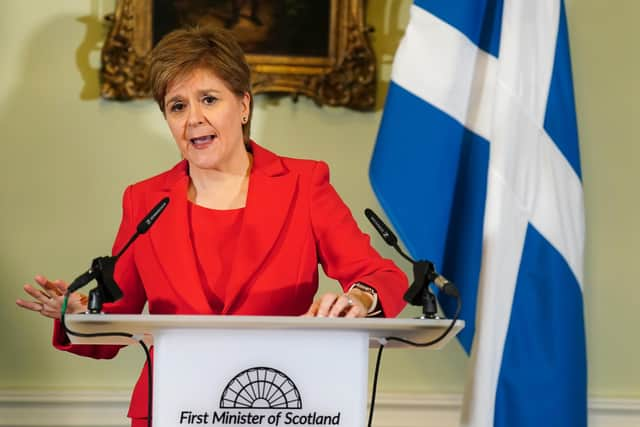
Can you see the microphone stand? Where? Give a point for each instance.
(106, 290)
(424, 273)
(419, 293)
(102, 267)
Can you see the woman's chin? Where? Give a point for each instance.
(204, 164)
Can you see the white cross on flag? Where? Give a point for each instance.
(477, 166)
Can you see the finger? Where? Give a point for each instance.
(57, 287)
(325, 304)
(42, 281)
(45, 294)
(39, 308)
(29, 305)
(48, 287)
(356, 310)
(341, 305)
(84, 300)
(53, 289)
(37, 294)
(60, 286)
(313, 309)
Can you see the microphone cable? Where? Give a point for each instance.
(115, 334)
(383, 342)
(419, 267)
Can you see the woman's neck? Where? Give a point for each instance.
(221, 189)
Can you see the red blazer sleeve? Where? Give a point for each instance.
(127, 278)
(345, 252)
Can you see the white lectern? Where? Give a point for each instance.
(259, 371)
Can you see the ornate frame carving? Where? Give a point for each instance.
(345, 77)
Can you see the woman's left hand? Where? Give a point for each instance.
(48, 299)
(337, 305)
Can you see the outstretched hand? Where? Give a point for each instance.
(48, 297)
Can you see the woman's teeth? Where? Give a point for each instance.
(202, 139)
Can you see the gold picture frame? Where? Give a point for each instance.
(345, 76)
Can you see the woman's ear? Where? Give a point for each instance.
(246, 104)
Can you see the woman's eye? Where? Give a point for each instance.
(177, 106)
(208, 99)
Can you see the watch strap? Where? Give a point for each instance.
(374, 310)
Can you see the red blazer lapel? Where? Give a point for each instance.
(172, 244)
(271, 190)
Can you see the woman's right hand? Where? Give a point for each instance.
(47, 299)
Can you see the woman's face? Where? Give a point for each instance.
(205, 118)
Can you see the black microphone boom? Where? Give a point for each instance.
(81, 281)
(423, 272)
(102, 267)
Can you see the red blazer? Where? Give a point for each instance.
(293, 220)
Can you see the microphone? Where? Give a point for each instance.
(152, 216)
(381, 227)
(102, 267)
(146, 223)
(421, 268)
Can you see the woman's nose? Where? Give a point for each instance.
(195, 115)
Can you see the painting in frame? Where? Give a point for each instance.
(314, 48)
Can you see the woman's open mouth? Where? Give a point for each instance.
(202, 139)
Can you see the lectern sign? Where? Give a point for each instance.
(260, 396)
(260, 378)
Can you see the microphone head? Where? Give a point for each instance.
(382, 228)
(152, 216)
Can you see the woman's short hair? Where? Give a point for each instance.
(183, 51)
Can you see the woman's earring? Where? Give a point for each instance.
(244, 119)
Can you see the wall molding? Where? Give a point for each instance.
(97, 408)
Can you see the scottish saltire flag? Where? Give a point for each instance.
(477, 166)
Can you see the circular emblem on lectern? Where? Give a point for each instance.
(261, 388)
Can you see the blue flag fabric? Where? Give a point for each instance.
(477, 166)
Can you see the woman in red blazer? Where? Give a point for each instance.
(245, 229)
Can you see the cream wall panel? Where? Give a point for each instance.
(102, 409)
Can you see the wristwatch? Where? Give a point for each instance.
(374, 310)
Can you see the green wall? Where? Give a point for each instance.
(67, 156)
